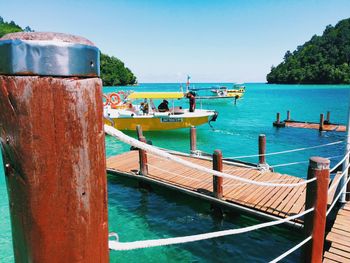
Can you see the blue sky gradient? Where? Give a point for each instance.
(163, 41)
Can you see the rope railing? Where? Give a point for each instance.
(340, 162)
(338, 196)
(290, 251)
(149, 148)
(286, 151)
(335, 184)
(116, 245)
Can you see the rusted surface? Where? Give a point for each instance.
(48, 36)
(57, 187)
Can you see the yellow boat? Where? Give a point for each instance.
(124, 115)
(237, 91)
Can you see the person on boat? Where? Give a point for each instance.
(144, 108)
(192, 99)
(163, 107)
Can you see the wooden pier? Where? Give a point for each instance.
(322, 125)
(339, 237)
(276, 202)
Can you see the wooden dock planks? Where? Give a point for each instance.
(339, 236)
(277, 201)
(315, 126)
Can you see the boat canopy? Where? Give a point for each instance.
(156, 95)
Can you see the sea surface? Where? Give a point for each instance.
(137, 214)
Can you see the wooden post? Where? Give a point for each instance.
(52, 122)
(139, 131)
(143, 158)
(193, 139)
(321, 122)
(288, 115)
(217, 180)
(262, 149)
(316, 196)
(328, 119)
(278, 118)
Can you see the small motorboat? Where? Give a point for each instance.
(126, 114)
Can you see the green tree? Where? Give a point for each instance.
(323, 59)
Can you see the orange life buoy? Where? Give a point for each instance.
(105, 100)
(114, 99)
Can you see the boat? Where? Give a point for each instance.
(222, 91)
(124, 113)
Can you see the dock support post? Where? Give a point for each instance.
(217, 180)
(53, 140)
(316, 196)
(143, 158)
(262, 149)
(278, 122)
(328, 119)
(321, 122)
(193, 140)
(278, 118)
(288, 115)
(139, 131)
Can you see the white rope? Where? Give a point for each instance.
(149, 148)
(340, 162)
(339, 194)
(283, 152)
(288, 164)
(115, 245)
(336, 184)
(288, 252)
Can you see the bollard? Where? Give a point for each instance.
(52, 121)
(321, 122)
(217, 180)
(262, 149)
(288, 115)
(316, 196)
(139, 131)
(193, 140)
(143, 158)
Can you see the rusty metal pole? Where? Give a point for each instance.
(217, 180)
(262, 149)
(52, 135)
(193, 139)
(143, 158)
(321, 122)
(316, 196)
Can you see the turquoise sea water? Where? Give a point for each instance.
(138, 214)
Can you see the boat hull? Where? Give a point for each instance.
(157, 123)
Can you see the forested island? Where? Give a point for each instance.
(113, 70)
(322, 60)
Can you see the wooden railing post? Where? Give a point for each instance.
(143, 158)
(139, 131)
(316, 197)
(51, 120)
(321, 122)
(193, 139)
(217, 180)
(288, 115)
(262, 149)
(278, 118)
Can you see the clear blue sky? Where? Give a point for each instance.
(164, 40)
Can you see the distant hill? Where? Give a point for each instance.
(113, 70)
(322, 60)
